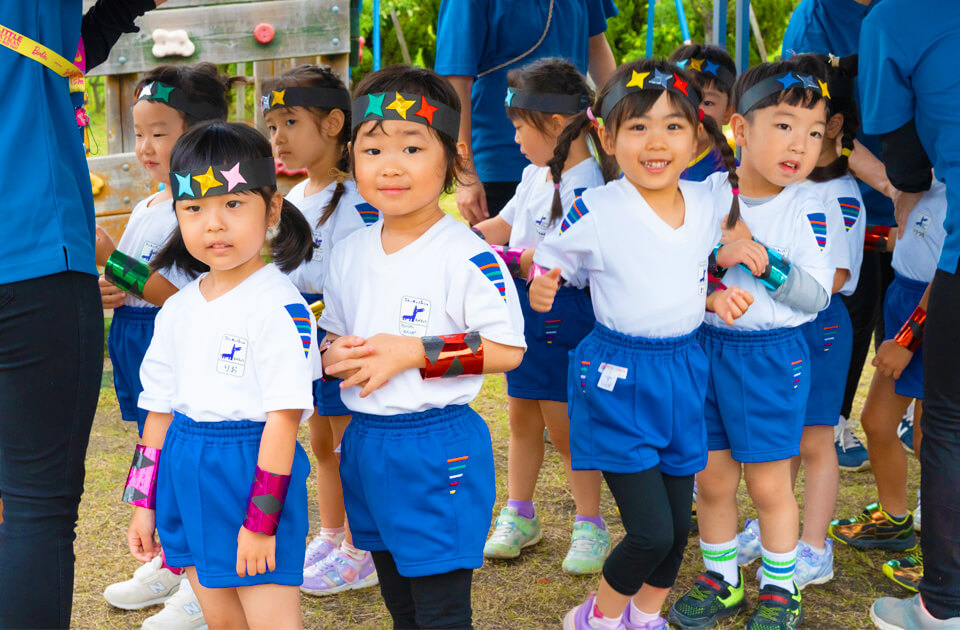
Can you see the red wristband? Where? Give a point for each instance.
(448, 356)
(911, 333)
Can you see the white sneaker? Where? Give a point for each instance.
(150, 585)
(180, 612)
(916, 514)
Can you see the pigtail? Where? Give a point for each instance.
(293, 244)
(342, 169)
(729, 160)
(571, 132)
(174, 254)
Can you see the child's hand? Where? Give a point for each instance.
(256, 553)
(729, 303)
(141, 534)
(543, 289)
(110, 295)
(104, 247)
(737, 233)
(892, 359)
(746, 251)
(389, 355)
(343, 348)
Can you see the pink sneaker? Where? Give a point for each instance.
(318, 549)
(339, 572)
(657, 624)
(579, 618)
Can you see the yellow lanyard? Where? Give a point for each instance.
(50, 58)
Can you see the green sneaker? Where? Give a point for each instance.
(709, 600)
(512, 533)
(589, 547)
(777, 609)
(907, 572)
(873, 529)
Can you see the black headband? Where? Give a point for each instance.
(780, 83)
(220, 180)
(177, 99)
(409, 107)
(302, 96)
(547, 102)
(642, 81)
(711, 68)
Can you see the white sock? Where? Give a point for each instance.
(351, 551)
(722, 558)
(333, 534)
(598, 621)
(778, 569)
(639, 617)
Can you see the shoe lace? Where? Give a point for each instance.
(503, 530)
(864, 517)
(583, 544)
(768, 612)
(698, 593)
(848, 440)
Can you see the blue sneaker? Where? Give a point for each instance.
(748, 543)
(813, 567)
(851, 453)
(905, 429)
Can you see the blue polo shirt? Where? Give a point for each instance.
(48, 218)
(833, 26)
(477, 35)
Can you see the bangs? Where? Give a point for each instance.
(637, 104)
(216, 143)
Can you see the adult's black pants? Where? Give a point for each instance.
(430, 601)
(51, 361)
(498, 194)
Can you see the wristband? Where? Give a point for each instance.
(449, 356)
(267, 494)
(141, 486)
(126, 273)
(478, 233)
(317, 308)
(876, 238)
(538, 270)
(712, 265)
(775, 274)
(911, 333)
(714, 284)
(511, 256)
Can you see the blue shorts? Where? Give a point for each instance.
(130, 333)
(757, 392)
(830, 339)
(421, 486)
(903, 295)
(550, 337)
(326, 394)
(204, 481)
(651, 415)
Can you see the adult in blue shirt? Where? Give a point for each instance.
(909, 91)
(478, 43)
(51, 319)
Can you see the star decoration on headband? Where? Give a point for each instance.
(234, 177)
(207, 181)
(509, 100)
(242, 176)
(680, 84)
(711, 68)
(375, 104)
(146, 92)
(163, 92)
(809, 82)
(637, 79)
(683, 63)
(278, 97)
(401, 105)
(660, 78)
(183, 183)
(409, 107)
(426, 110)
(824, 91)
(787, 80)
(697, 64)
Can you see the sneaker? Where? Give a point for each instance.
(916, 514)
(851, 452)
(579, 618)
(318, 549)
(813, 567)
(657, 624)
(150, 585)
(339, 572)
(180, 612)
(906, 571)
(709, 600)
(589, 547)
(890, 613)
(512, 533)
(873, 530)
(748, 543)
(905, 428)
(777, 609)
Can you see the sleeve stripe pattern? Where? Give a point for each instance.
(301, 319)
(578, 191)
(850, 207)
(818, 221)
(487, 263)
(368, 213)
(577, 212)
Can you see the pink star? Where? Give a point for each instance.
(233, 176)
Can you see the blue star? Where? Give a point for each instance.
(682, 64)
(809, 82)
(787, 80)
(660, 78)
(711, 68)
(509, 100)
(183, 182)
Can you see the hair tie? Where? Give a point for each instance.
(700, 114)
(338, 175)
(556, 186)
(735, 191)
(846, 152)
(590, 115)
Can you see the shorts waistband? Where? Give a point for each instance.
(909, 283)
(310, 298)
(238, 430)
(646, 344)
(136, 313)
(747, 338)
(430, 417)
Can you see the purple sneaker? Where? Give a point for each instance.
(339, 572)
(579, 618)
(657, 624)
(318, 549)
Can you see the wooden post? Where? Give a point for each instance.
(240, 95)
(400, 37)
(260, 70)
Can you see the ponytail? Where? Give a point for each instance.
(293, 244)
(342, 170)
(730, 161)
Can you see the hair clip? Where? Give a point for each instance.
(735, 191)
(221, 180)
(304, 96)
(846, 151)
(436, 115)
(700, 114)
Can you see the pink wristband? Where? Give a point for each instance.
(141, 487)
(267, 494)
(538, 270)
(511, 256)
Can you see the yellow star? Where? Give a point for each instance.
(401, 105)
(823, 89)
(637, 79)
(697, 64)
(278, 97)
(207, 181)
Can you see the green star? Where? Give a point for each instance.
(162, 92)
(375, 104)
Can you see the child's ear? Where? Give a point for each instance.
(834, 126)
(273, 214)
(557, 123)
(606, 139)
(462, 150)
(738, 124)
(333, 124)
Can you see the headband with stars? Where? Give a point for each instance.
(409, 107)
(177, 99)
(548, 103)
(779, 83)
(302, 96)
(656, 80)
(707, 67)
(220, 180)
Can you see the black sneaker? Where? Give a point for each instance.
(777, 609)
(709, 600)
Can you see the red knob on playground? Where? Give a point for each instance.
(263, 33)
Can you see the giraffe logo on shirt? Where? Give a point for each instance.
(317, 246)
(232, 355)
(920, 225)
(414, 316)
(702, 279)
(148, 251)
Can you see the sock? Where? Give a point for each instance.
(524, 508)
(333, 534)
(164, 565)
(778, 569)
(639, 617)
(596, 520)
(722, 558)
(597, 620)
(895, 519)
(352, 552)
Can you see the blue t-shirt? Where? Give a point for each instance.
(477, 35)
(833, 26)
(48, 218)
(910, 74)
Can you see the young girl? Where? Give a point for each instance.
(227, 380)
(547, 102)
(416, 298)
(759, 366)
(643, 241)
(307, 111)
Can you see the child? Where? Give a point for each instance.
(227, 380)
(643, 241)
(547, 102)
(759, 367)
(415, 298)
(714, 72)
(897, 381)
(307, 111)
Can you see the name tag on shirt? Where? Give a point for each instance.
(232, 355)
(609, 375)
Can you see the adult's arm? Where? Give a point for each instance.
(471, 198)
(602, 63)
(106, 21)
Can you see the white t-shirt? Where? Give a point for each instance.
(793, 223)
(352, 213)
(249, 351)
(846, 224)
(147, 231)
(915, 255)
(528, 211)
(646, 278)
(446, 282)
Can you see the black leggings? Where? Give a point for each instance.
(431, 601)
(655, 510)
(498, 194)
(51, 359)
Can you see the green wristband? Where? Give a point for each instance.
(126, 272)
